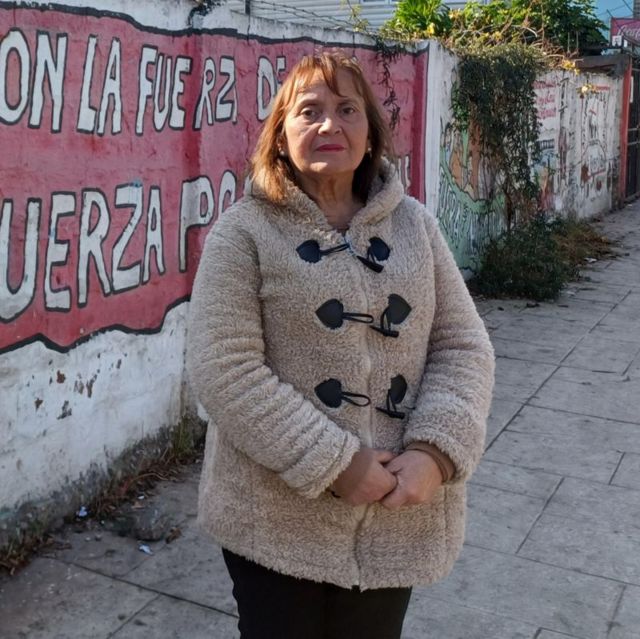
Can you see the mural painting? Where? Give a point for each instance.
(595, 117)
(467, 215)
(121, 145)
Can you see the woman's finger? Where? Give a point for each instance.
(384, 456)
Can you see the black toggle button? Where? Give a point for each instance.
(310, 251)
(395, 395)
(330, 393)
(396, 312)
(332, 314)
(378, 251)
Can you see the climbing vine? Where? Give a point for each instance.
(494, 100)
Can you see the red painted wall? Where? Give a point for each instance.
(119, 147)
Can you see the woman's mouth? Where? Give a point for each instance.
(330, 147)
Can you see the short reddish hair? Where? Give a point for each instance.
(270, 171)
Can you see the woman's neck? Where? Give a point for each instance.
(334, 197)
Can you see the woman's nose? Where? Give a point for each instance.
(329, 123)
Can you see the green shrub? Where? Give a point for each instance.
(524, 262)
(537, 258)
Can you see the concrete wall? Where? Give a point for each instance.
(578, 173)
(456, 177)
(580, 139)
(125, 134)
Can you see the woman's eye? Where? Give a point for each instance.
(308, 114)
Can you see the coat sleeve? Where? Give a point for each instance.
(268, 420)
(454, 398)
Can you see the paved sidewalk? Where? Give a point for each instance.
(553, 540)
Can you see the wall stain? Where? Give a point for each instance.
(60, 377)
(38, 402)
(66, 411)
(90, 383)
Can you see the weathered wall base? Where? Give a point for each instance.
(72, 414)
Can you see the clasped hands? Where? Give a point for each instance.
(410, 478)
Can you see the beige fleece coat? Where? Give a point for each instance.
(257, 350)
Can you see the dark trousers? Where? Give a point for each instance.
(276, 606)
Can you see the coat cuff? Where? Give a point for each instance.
(310, 476)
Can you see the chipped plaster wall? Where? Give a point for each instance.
(580, 141)
(578, 173)
(125, 135)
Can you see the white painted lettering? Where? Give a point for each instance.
(14, 42)
(154, 235)
(183, 65)
(62, 204)
(208, 82)
(227, 109)
(90, 243)
(15, 301)
(128, 277)
(111, 91)
(192, 212)
(54, 71)
(145, 86)
(86, 113)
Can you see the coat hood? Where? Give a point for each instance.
(385, 195)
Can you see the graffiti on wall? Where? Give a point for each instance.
(595, 167)
(468, 215)
(551, 168)
(578, 160)
(121, 145)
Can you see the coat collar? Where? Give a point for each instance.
(385, 195)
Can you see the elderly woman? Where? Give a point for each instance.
(345, 370)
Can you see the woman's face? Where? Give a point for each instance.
(326, 135)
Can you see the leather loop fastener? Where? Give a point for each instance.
(330, 393)
(395, 395)
(332, 314)
(396, 312)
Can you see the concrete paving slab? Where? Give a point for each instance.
(192, 570)
(546, 331)
(545, 354)
(110, 555)
(590, 291)
(602, 354)
(598, 507)
(628, 333)
(428, 618)
(533, 483)
(53, 600)
(549, 634)
(626, 313)
(626, 623)
(502, 412)
(168, 618)
(606, 277)
(517, 380)
(628, 473)
(540, 452)
(500, 520)
(544, 596)
(180, 499)
(503, 308)
(570, 429)
(571, 544)
(575, 310)
(607, 395)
